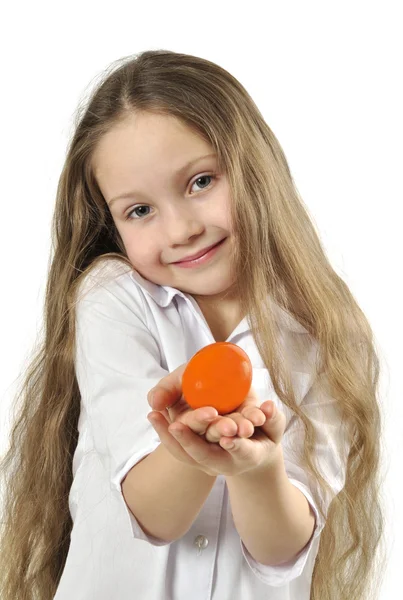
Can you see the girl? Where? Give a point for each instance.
(112, 493)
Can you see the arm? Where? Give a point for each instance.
(272, 516)
(165, 495)
(117, 362)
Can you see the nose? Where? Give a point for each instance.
(181, 225)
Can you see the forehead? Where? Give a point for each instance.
(146, 136)
(144, 150)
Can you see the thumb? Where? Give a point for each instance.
(275, 423)
(251, 399)
(168, 390)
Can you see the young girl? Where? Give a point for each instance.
(114, 494)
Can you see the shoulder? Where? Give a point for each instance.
(101, 273)
(286, 320)
(298, 346)
(108, 282)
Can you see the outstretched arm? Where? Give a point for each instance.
(273, 517)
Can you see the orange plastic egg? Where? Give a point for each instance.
(218, 375)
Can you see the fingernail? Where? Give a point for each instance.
(209, 416)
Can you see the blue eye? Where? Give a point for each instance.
(129, 216)
(137, 208)
(203, 177)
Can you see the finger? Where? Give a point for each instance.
(244, 426)
(166, 415)
(254, 415)
(160, 425)
(251, 399)
(240, 448)
(201, 451)
(168, 390)
(219, 427)
(274, 426)
(199, 420)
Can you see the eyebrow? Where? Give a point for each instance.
(179, 172)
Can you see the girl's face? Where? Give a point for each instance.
(171, 210)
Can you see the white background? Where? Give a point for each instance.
(327, 79)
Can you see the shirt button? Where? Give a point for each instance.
(201, 542)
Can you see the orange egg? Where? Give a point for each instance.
(218, 375)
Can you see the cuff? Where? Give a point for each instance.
(280, 575)
(116, 484)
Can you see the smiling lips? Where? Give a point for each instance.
(199, 254)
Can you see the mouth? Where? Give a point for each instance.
(203, 257)
(199, 254)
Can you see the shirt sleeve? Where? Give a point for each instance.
(117, 362)
(331, 452)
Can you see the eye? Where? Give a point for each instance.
(203, 177)
(129, 216)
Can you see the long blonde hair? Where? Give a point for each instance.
(279, 254)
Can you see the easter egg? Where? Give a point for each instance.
(218, 375)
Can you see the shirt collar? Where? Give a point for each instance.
(164, 294)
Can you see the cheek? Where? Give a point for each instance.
(222, 217)
(221, 209)
(141, 250)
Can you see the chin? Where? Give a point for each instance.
(207, 287)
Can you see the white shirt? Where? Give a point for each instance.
(131, 333)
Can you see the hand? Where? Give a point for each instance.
(262, 450)
(241, 423)
(188, 446)
(205, 421)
